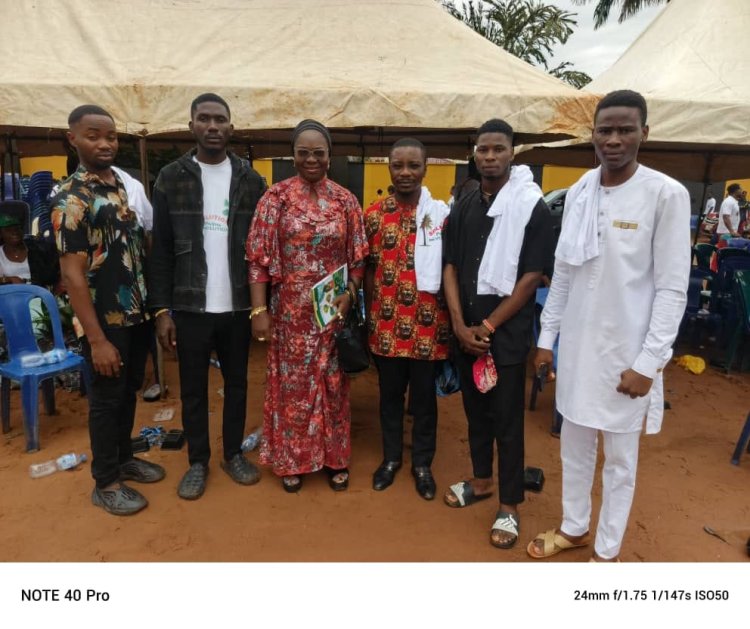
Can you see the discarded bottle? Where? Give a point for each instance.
(252, 440)
(65, 462)
(54, 356)
(32, 360)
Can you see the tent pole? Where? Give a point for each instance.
(14, 185)
(702, 207)
(2, 173)
(143, 154)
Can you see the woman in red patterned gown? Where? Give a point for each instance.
(304, 228)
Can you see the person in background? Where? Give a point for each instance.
(468, 184)
(305, 228)
(407, 316)
(729, 213)
(14, 261)
(203, 204)
(744, 206)
(101, 247)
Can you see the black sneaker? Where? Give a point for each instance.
(193, 483)
(121, 501)
(141, 471)
(241, 471)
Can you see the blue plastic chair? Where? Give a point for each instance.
(15, 313)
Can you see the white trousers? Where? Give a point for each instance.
(578, 450)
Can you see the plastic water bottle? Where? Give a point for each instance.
(32, 360)
(65, 462)
(252, 440)
(54, 356)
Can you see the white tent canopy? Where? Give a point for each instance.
(692, 64)
(369, 68)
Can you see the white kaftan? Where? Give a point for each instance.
(622, 308)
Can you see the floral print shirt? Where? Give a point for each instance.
(92, 218)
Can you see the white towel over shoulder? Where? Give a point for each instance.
(428, 252)
(579, 241)
(511, 211)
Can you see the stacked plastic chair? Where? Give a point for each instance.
(11, 189)
(40, 185)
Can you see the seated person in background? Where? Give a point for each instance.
(14, 259)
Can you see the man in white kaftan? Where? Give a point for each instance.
(617, 297)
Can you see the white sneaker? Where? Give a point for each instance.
(153, 393)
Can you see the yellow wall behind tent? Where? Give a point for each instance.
(264, 167)
(55, 163)
(439, 179)
(376, 178)
(554, 177)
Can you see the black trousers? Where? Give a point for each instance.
(197, 334)
(394, 375)
(112, 402)
(496, 417)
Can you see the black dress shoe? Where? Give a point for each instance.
(384, 475)
(424, 481)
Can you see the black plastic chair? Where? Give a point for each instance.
(741, 329)
(702, 253)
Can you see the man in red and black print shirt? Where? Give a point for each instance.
(407, 317)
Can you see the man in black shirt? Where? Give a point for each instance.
(499, 242)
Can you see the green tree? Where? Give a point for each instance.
(528, 29)
(628, 8)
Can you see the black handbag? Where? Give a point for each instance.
(351, 343)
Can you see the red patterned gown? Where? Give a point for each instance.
(294, 242)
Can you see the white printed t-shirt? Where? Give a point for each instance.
(216, 179)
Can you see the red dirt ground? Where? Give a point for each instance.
(685, 482)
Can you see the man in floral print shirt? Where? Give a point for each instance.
(101, 258)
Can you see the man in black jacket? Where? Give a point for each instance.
(203, 204)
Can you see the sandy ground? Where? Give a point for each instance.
(685, 482)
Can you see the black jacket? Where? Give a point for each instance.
(177, 269)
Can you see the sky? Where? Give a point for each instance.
(593, 51)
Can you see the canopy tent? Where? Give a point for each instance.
(691, 64)
(372, 70)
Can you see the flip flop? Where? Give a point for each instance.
(554, 543)
(505, 522)
(464, 493)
